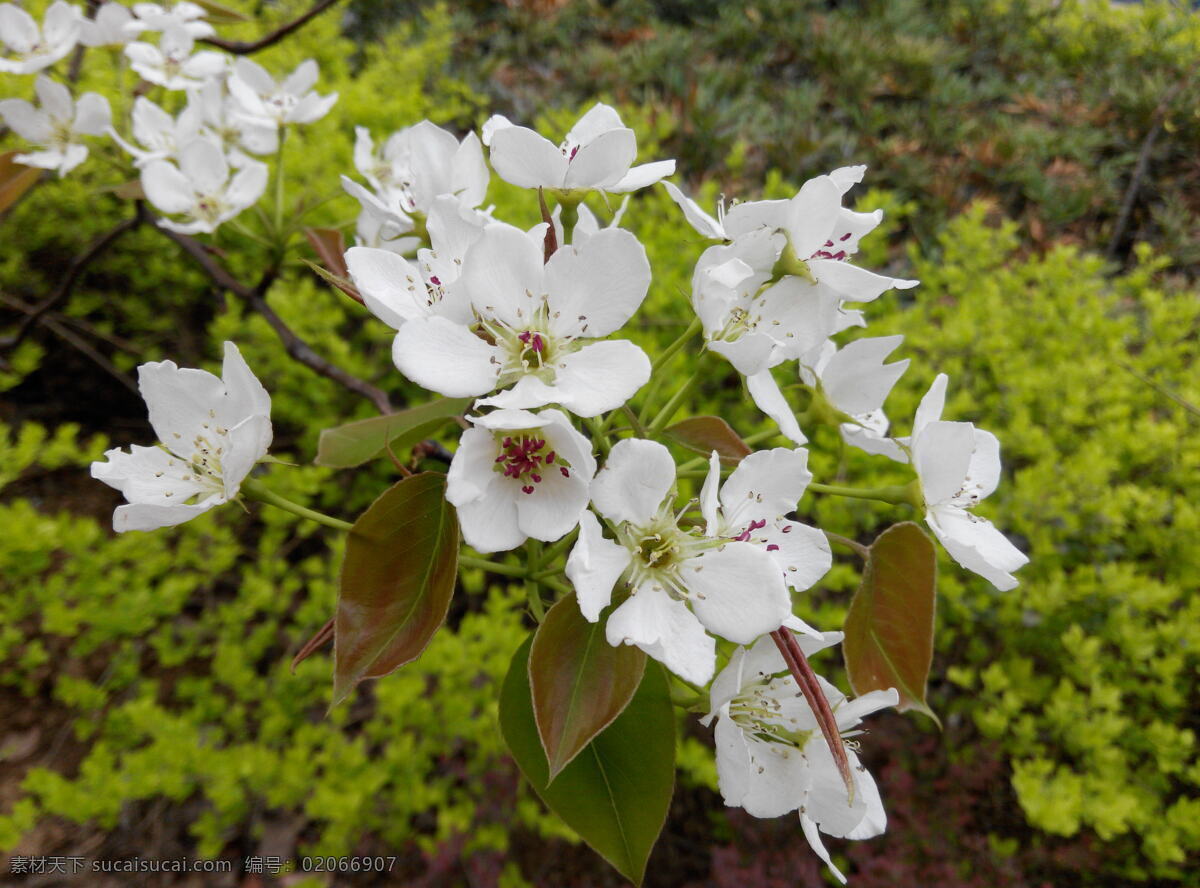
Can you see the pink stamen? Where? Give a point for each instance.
(433, 279)
(772, 548)
(524, 459)
(744, 536)
(846, 236)
(533, 340)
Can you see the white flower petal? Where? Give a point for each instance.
(814, 841)
(602, 161)
(178, 401)
(666, 630)
(143, 516)
(802, 552)
(502, 275)
(942, 456)
(391, 288)
(26, 121)
(977, 545)
(635, 480)
(522, 157)
(737, 592)
(932, 404)
(166, 188)
(765, 485)
(489, 523)
(600, 377)
(595, 287)
(856, 380)
(852, 283)
(445, 357)
(596, 121)
(709, 496)
(812, 214)
(594, 566)
(704, 224)
(766, 394)
(643, 175)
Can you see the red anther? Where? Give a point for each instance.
(772, 548)
(433, 279)
(846, 236)
(550, 457)
(564, 471)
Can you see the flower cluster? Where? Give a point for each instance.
(526, 325)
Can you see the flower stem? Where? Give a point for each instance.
(256, 490)
(279, 190)
(669, 352)
(599, 435)
(672, 406)
(506, 570)
(858, 548)
(897, 495)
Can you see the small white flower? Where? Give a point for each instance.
(420, 163)
(37, 48)
(183, 16)
(396, 290)
(108, 28)
(710, 226)
(598, 152)
(381, 225)
(159, 136)
(517, 475)
(772, 757)
(219, 116)
(201, 188)
(291, 101)
(959, 465)
(535, 324)
(212, 431)
(679, 583)
(56, 127)
(853, 381)
(171, 63)
(751, 506)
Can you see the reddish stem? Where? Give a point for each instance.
(797, 664)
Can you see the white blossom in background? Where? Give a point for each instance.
(158, 135)
(219, 117)
(680, 583)
(212, 432)
(292, 100)
(712, 227)
(183, 16)
(772, 757)
(34, 47)
(381, 225)
(201, 189)
(518, 475)
(536, 325)
(57, 125)
(598, 152)
(958, 465)
(421, 163)
(751, 507)
(108, 28)
(853, 381)
(396, 290)
(171, 64)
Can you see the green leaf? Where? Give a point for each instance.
(580, 682)
(704, 434)
(889, 629)
(15, 179)
(399, 574)
(353, 444)
(616, 792)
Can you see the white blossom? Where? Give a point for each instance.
(535, 325)
(108, 28)
(518, 475)
(679, 583)
(772, 757)
(220, 117)
(56, 126)
(420, 163)
(292, 100)
(958, 465)
(183, 16)
(157, 134)
(212, 432)
(201, 188)
(34, 47)
(171, 64)
(598, 152)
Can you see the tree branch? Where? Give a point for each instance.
(78, 265)
(248, 47)
(256, 298)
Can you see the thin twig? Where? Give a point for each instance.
(78, 265)
(295, 346)
(247, 47)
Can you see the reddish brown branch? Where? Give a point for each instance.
(247, 47)
(295, 346)
(323, 636)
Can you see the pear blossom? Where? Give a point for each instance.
(382, 224)
(264, 100)
(201, 188)
(598, 152)
(849, 384)
(171, 64)
(712, 227)
(958, 465)
(183, 16)
(212, 432)
(36, 47)
(421, 163)
(517, 475)
(108, 28)
(772, 757)
(218, 113)
(158, 135)
(535, 324)
(396, 290)
(56, 127)
(752, 505)
(679, 583)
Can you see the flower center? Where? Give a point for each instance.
(209, 208)
(527, 458)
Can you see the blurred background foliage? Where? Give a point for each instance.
(1038, 163)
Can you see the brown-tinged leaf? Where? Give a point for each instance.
(322, 637)
(344, 284)
(15, 179)
(889, 629)
(355, 443)
(131, 190)
(580, 682)
(704, 434)
(330, 247)
(220, 14)
(550, 242)
(397, 579)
